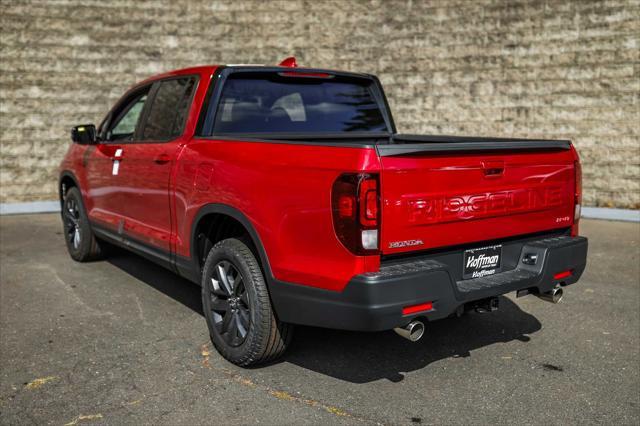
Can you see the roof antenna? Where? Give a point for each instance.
(289, 62)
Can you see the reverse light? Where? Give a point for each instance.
(370, 239)
(355, 205)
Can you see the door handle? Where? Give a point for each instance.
(162, 159)
(117, 155)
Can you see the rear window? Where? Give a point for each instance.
(270, 103)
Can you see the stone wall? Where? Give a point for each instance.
(527, 68)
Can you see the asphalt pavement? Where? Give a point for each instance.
(123, 341)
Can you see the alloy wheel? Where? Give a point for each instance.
(72, 220)
(229, 303)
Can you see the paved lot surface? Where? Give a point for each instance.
(124, 341)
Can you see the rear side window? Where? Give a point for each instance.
(169, 109)
(272, 103)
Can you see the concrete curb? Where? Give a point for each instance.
(587, 212)
(32, 207)
(611, 214)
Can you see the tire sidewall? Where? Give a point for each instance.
(244, 263)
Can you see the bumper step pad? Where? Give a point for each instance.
(516, 276)
(549, 251)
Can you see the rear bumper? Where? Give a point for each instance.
(374, 301)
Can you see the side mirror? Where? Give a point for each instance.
(85, 134)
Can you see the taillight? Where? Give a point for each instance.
(578, 192)
(355, 204)
(368, 199)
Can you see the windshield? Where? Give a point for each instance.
(271, 103)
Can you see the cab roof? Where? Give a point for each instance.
(289, 64)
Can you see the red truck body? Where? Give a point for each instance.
(427, 199)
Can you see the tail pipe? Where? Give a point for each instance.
(553, 296)
(412, 331)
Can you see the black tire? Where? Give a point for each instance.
(235, 300)
(81, 242)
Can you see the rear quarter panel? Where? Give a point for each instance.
(284, 190)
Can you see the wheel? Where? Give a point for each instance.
(81, 243)
(236, 305)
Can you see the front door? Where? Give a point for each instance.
(103, 161)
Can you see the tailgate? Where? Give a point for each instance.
(434, 198)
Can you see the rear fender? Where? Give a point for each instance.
(244, 220)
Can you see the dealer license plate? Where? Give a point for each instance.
(481, 262)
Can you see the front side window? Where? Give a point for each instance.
(275, 103)
(127, 119)
(169, 109)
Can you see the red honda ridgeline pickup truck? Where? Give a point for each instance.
(287, 194)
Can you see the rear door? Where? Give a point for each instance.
(148, 163)
(438, 199)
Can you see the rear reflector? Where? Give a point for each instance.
(417, 308)
(561, 275)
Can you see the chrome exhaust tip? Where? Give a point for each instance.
(412, 331)
(553, 296)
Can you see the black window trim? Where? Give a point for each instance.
(151, 89)
(209, 109)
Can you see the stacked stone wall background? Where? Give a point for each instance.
(526, 68)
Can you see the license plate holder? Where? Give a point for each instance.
(481, 262)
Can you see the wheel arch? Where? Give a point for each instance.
(67, 180)
(221, 210)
